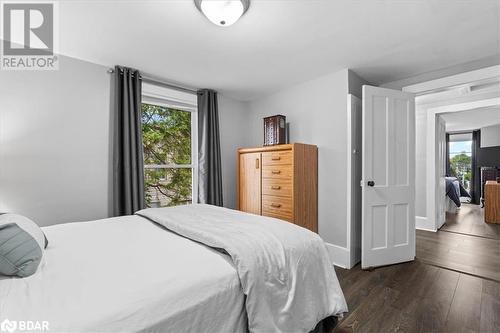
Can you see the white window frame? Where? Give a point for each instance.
(183, 101)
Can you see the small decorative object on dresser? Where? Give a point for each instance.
(274, 130)
(280, 181)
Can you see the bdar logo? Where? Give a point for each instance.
(8, 326)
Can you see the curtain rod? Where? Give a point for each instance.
(161, 83)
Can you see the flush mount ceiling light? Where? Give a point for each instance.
(222, 12)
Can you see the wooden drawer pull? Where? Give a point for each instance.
(276, 187)
(275, 205)
(275, 158)
(276, 172)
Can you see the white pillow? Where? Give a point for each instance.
(22, 244)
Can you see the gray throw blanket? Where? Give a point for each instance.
(284, 270)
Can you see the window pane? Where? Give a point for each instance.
(460, 147)
(166, 135)
(460, 157)
(168, 187)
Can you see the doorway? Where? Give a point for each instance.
(439, 104)
(454, 117)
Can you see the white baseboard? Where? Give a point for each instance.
(423, 223)
(339, 256)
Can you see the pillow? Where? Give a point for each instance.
(22, 244)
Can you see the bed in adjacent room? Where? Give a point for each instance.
(195, 268)
(454, 191)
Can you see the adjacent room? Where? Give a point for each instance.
(458, 135)
(233, 166)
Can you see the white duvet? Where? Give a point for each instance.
(284, 269)
(127, 274)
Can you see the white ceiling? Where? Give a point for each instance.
(278, 43)
(471, 120)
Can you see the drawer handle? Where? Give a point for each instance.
(275, 158)
(257, 163)
(276, 187)
(276, 172)
(275, 205)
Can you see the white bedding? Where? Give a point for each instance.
(123, 275)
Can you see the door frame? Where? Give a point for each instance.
(485, 75)
(354, 123)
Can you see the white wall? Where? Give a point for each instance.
(233, 117)
(420, 160)
(317, 113)
(54, 142)
(490, 136)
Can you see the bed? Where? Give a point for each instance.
(160, 271)
(454, 191)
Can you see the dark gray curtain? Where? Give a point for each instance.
(128, 164)
(475, 191)
(209, 158)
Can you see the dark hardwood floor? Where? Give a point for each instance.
(469, 220)
(469, 254)
(417, 297)
(465, 243)
(452, 286)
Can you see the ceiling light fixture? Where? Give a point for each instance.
(222, 12)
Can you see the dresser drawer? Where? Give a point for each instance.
(277, 171)
(281, 157)
(279, 207)
(278, 187)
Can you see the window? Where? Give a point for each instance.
(460, 157)
(170, 147)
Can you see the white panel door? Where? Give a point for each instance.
(388, 177)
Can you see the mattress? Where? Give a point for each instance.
(123, 275)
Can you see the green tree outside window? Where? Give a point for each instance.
(460, 167)
(167, 153)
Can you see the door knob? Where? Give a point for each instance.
(371, 183)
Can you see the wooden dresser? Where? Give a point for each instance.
(280, 181)
(492, 202)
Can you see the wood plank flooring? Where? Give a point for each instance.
(469, 220)
(417, 297)
(469, 254)
(452, 286)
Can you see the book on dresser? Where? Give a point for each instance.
(280, 181)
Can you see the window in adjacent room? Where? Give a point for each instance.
(460, 157)
(170, 146)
